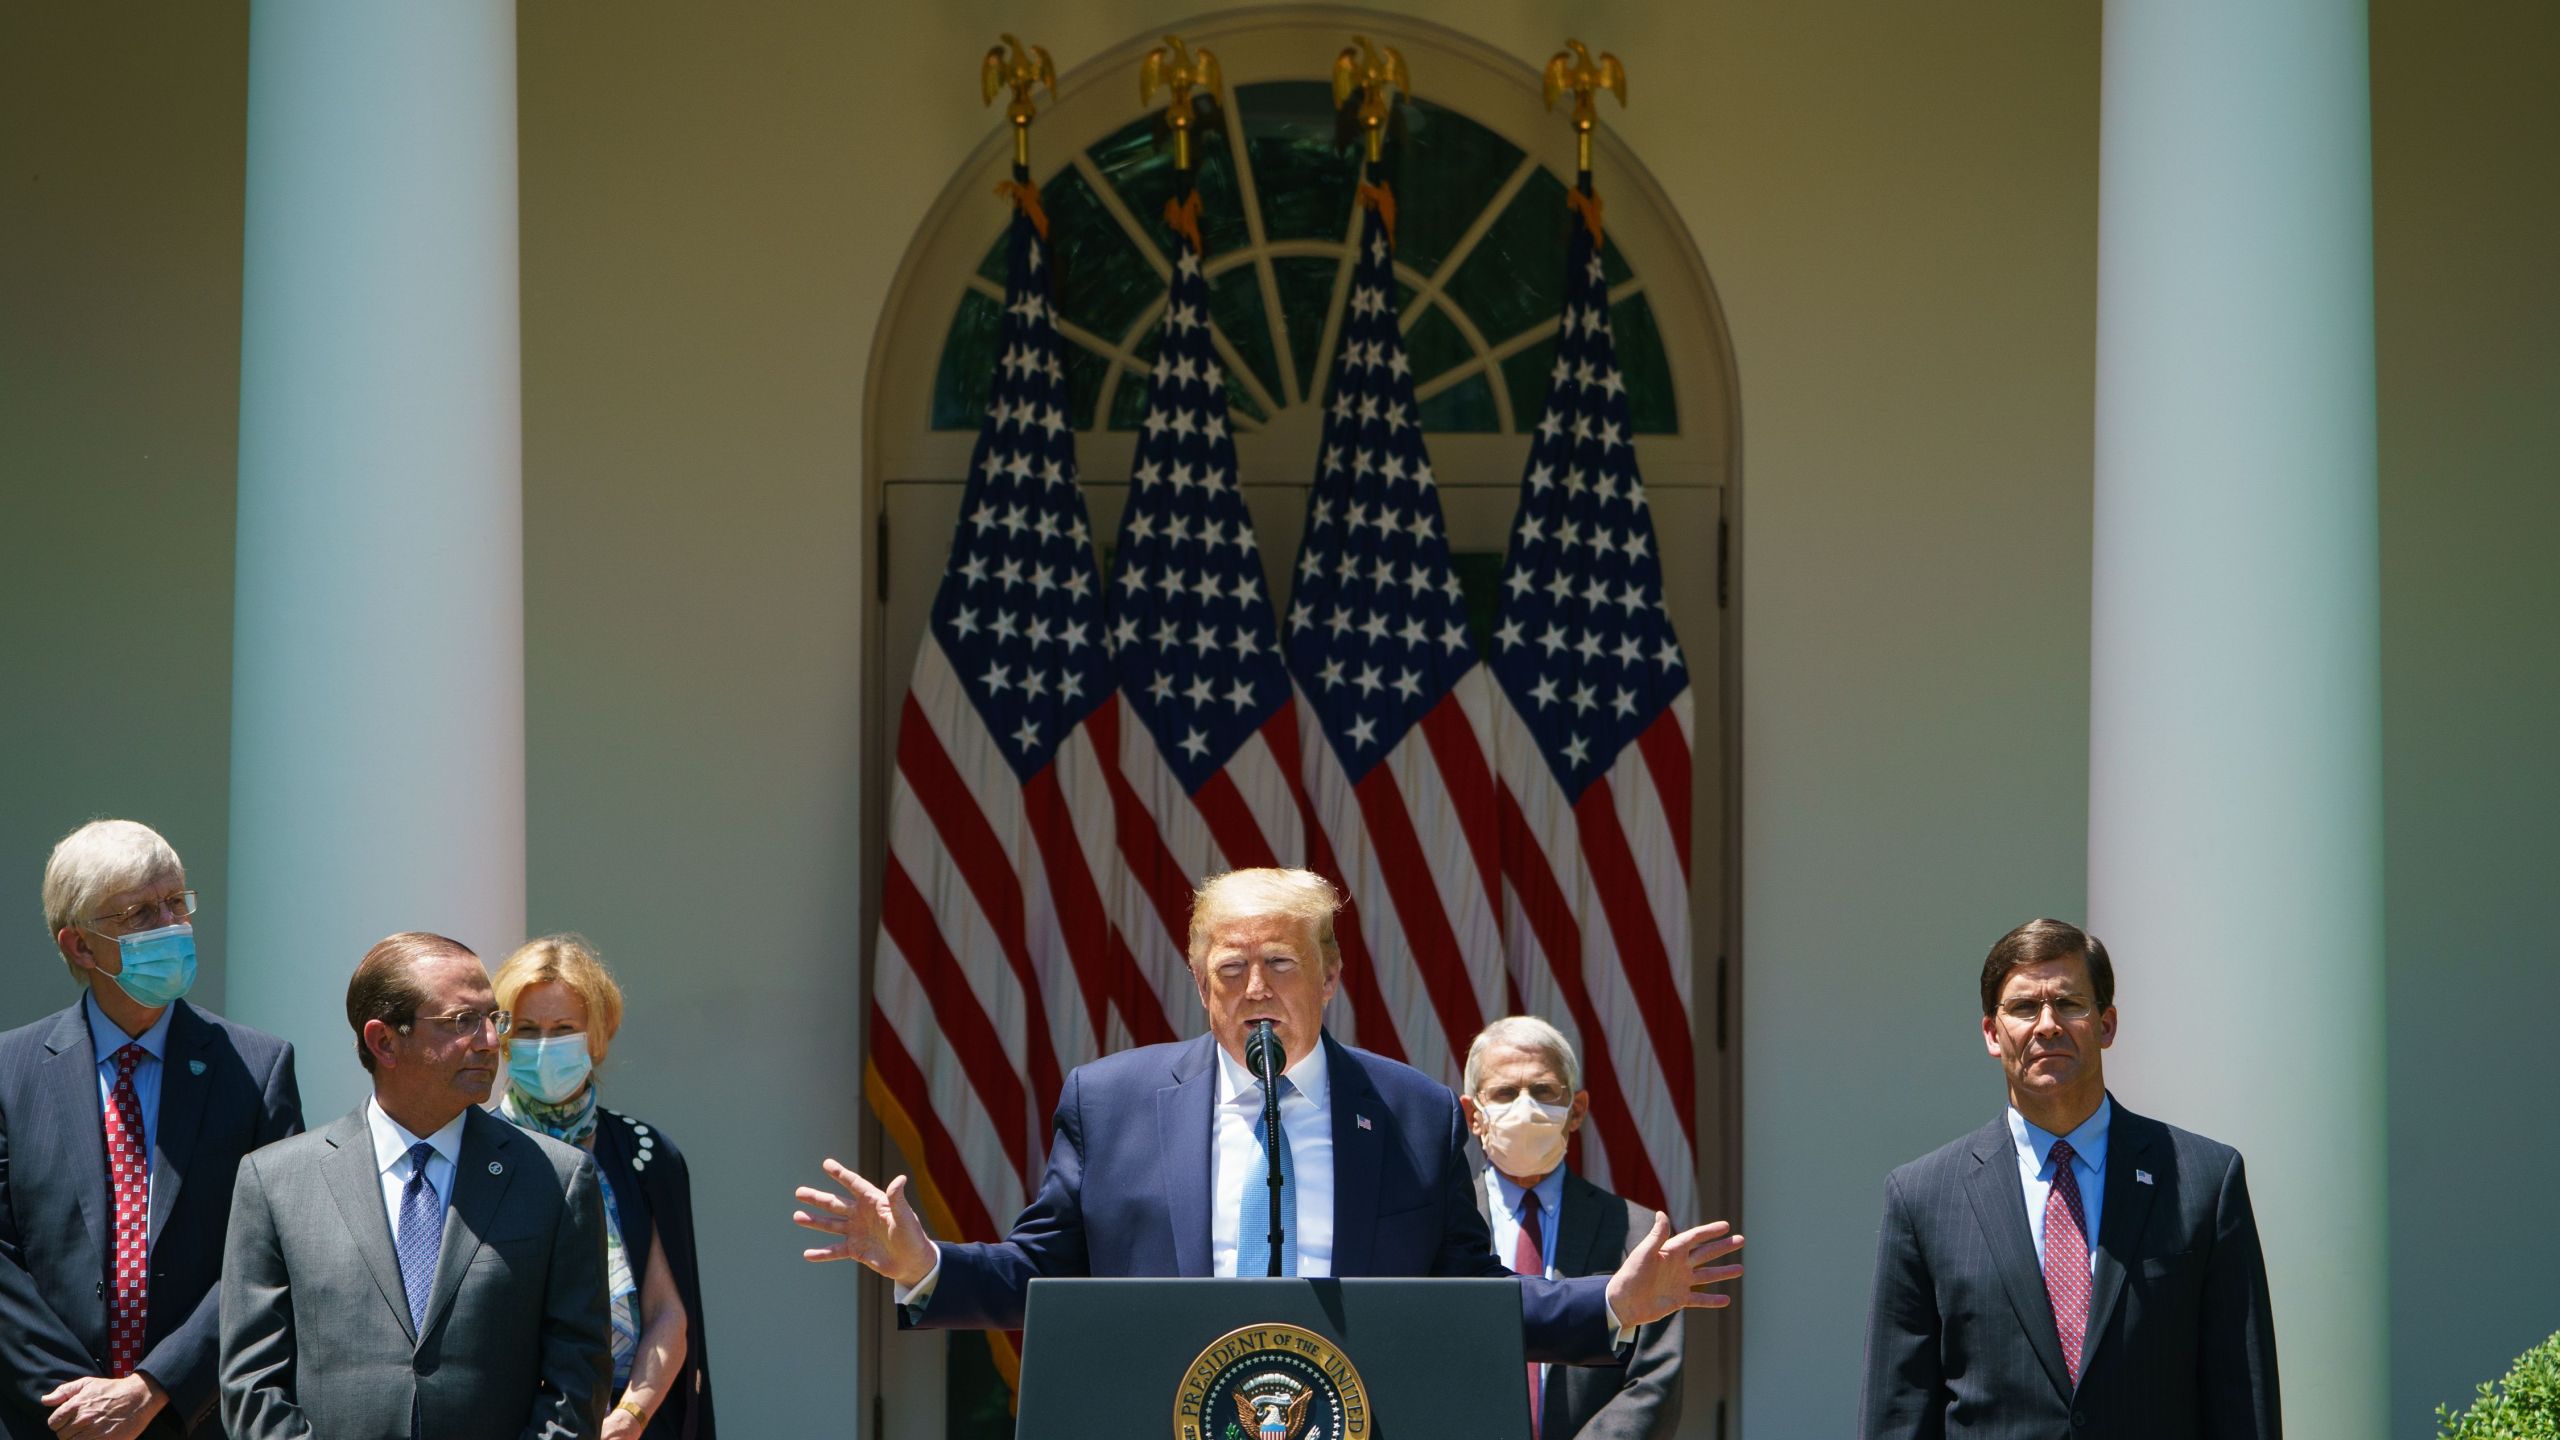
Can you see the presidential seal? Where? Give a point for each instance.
(1271, 1382)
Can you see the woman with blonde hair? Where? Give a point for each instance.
(567, 1009)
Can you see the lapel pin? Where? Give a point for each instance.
(497, 1169)
(195, 1067)
(2141, 1177)
(1363, 1119)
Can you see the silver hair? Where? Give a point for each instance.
(1244, 894)
(1523, 1032)
(97, 860)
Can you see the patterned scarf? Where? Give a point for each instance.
(573, 1122)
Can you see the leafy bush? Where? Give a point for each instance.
(2524, 1406)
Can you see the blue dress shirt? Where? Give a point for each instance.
(109, 1037)
(2088, 1164)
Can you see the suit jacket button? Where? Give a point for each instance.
(2079, 1419)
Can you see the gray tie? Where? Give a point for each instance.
(421, 1235)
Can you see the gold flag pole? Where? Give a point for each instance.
(1026, 69)
(1179, 70)
(1574, 69)
(1376, 73)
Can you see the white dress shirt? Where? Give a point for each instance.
(1236, 1159)
(391, 1144)
(2034, 1145)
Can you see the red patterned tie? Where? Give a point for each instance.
(129, 1163)
(1529, 1257)
(2066, 1259)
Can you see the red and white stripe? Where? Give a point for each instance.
(1595, 911)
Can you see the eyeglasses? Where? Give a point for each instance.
(467, 1022)
(2070, 1010)
(167, 910)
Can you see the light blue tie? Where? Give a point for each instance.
(421, 1236)
(1253, 1232)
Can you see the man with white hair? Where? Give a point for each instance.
(1524, 1100)
(122, 1121)
(1158, 1163)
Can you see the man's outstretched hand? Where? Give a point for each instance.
(879, 1228)
(1668, 1272)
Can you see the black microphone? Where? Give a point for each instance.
(1262, 1056)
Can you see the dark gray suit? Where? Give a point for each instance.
(225, 1090)
(2181, 1342)
(316, 1339)
(1595, 1230)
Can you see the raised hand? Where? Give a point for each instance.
(1672, 1272)
(879, 1228)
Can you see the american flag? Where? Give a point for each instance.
(1592, 747)
(1211, 764)
(999, 966)
(1395, 759)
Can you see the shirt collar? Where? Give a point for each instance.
(2088, 1141)
(391, 1139)
(1310, 1076)
(1550, 1190)
(109, 1037)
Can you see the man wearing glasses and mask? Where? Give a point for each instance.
(1524, 1101)
(122, 1120)
(418, 1266)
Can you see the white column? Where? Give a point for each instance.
(377, 741)
(2235, 737)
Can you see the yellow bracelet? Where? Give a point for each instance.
(637, 1413)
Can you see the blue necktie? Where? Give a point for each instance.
(421, 1236)
(1253, 1227)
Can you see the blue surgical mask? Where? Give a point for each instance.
(549, 1070)
(159, 965)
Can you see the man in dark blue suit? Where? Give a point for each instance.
(122, 1120)
(1997, 1318)
(1158, 1164)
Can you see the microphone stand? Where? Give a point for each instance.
(1262, 1052)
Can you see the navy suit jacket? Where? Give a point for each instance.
(2180, 1342)
(1127, 1193)
(225, 1090)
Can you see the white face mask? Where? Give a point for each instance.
(1522, 1136)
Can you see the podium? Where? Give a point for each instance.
(1292, 1359)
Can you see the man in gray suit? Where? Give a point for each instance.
(419, 1267)
(1994, 1315)
(1523, 1102)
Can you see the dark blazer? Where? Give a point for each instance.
(2180, 1342)
(1596, 1230)
(1127, 1193)
(653, 1192)
(225, 1090)
(316, 1339)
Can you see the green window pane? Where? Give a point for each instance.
(1434, 343)
(1137, 159)
(1514, 278)
(968, 363)
(1652, 407)
(1085, 370)
(1306, 292)
(1528, 375)
(1235, 303)
(1466, 407)
(1447, 172)
(1479, 576)
(1129, 397)
(1102, 282)
(1303, 179)
(993, 266)
(1614, 269)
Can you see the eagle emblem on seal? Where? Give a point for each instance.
(1273, 1411)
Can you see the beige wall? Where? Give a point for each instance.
(1898, 204)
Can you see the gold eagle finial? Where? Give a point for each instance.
(1377, 74)
(1574, 69)
(1179, 70)
(1027, 68)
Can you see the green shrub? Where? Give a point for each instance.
(2524, 1406)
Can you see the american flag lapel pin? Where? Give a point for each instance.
(2141, 1177)
(195, 1067)
(1363, 1121)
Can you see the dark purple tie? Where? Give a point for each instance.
(1529, 1257)
(2066, 1259)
